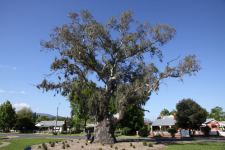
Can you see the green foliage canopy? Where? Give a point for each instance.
(190, 115)
(7, 116)
(25, 121)
(133, 119)
(217, 113)
(114, 52)
(87, 46)
(164, 112)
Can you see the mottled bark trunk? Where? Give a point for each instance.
(104, 132)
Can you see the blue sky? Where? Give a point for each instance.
(200, 29)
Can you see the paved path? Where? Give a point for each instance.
(17, 135)
(4, 144)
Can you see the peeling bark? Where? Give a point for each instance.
(104, 132)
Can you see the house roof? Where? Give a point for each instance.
(209, 120)
(165, 121)
(50, 123)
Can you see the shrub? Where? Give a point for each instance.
(27, 148)
(99, 148)
(131, 144)
(63, 145)
(158, 135)
(150, 145)
(134, 146)
(206, 130)
(44, 146)
(39, 146)
(144, 143)
(172, 132)
(143, 132)
(116, 148)
(52, 144)
(126, 131)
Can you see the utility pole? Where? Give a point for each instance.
(56, 117)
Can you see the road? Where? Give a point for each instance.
(19, 135)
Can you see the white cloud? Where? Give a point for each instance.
(19, 106)
(12, 92)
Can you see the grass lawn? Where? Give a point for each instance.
(197, 146)
(77, 134)
(19, 144)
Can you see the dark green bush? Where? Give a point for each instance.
(126, 131)
(143, 132)
(206, 130)
(150, 145)
(27, 148)
(144, 143)
(172, 131)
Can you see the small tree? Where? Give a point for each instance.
(7, 116)
(143, 132)
(114, 52)
(133, 119)
(173, 112)
(206, 130)
(25, 121)
(164, 112)
(82, 101)
(172, 132)
(190, 115)
(217, 113)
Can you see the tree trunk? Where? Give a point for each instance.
(104, 132)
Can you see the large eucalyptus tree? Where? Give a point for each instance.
(122, 53)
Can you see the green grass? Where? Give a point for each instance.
(197, 146)
(19, 144)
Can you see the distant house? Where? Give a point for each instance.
(214, 125)
(163, 123)
(50, 126)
